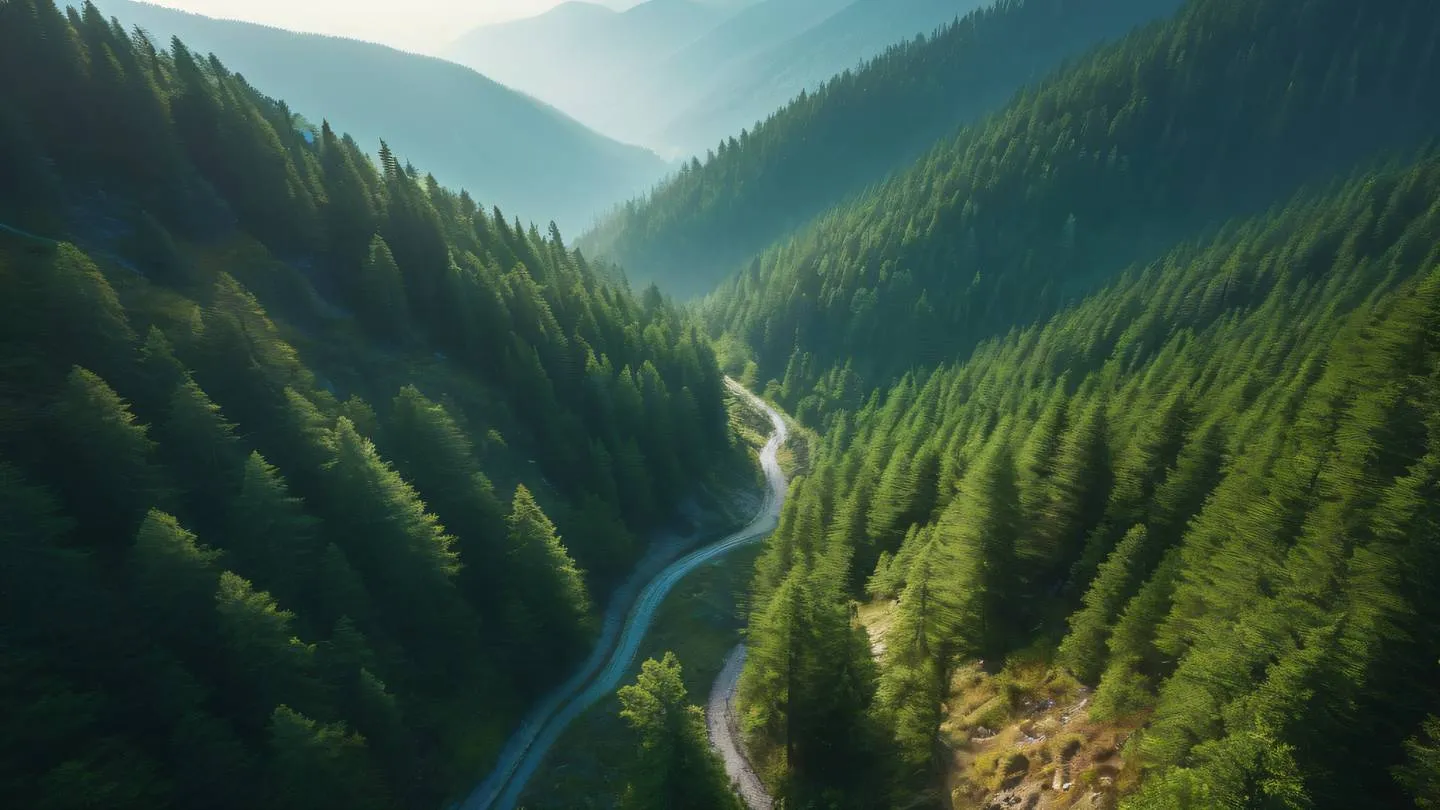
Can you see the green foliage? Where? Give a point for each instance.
(319, 765)
(675, 766)
(1218, 112)
(711, 217)
(205, 516)
(555, 606)
(1421, 772)
(1219, 474)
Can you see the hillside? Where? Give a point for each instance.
(1221, 111)
(1210, 493)
(587, 59)
(503, 147)
(768, 79)
(706, 222)
(313, 471)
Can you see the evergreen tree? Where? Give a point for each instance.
(1421, 772)
(381, 293)
(675, 767)
(550, 603)
(108, 471)
(315, 765)
(269, 536)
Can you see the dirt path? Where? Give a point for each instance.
(723, 724)
(624, 628)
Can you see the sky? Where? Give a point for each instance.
(423, 26)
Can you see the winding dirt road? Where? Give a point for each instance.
(723, 724)
(623, 629)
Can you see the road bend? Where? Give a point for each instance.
(624, 628)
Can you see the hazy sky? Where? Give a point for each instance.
(416, 25)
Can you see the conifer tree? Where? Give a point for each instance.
(319, 765)
(108, 471)
(551, 591)
(258, 641)
(381, 293)
(173, 580)
(202, 446)
(1083, 650)
(269, 536)
(675, 766)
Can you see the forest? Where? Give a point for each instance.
(712, 216)
(1209, 491)
(1224, 110)
(313, 470)
(1117, 477)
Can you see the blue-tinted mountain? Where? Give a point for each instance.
(505, 148)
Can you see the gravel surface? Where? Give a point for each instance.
(723, 723)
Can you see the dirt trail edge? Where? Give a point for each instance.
(624, 628)
(724, 727)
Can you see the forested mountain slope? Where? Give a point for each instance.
(766, 81)
(506, 148)
(1211, 491)
(285, 440)
(1225, 108)
(705, 222)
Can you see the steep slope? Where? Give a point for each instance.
(1222, 110)
(1210, 491)
(588, 60)
(309, 467)
(704, 223)
(766, 80)
(503, 147)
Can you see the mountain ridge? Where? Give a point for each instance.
(551, 153)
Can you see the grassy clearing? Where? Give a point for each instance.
(1023, 737)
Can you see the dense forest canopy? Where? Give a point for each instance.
(1210, 491)
(313, 470)
(1118, 482)
(1223, 110)
(710, 218)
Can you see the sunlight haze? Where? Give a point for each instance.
(423, 26)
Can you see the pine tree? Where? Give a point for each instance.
(1421, 772)
(269, 664)
(315, 765)
(269, 537)
(108, 471)
(381, 293)
(173, 581)
(675, 766)
(549, 589)
(1083, 650)
(975, 560)
(202, 446)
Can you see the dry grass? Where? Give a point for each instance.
(1023, 738)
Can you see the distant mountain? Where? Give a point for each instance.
(586, 58)
(505, 148)
(765, 80)
(714, 63)
(678, 75)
